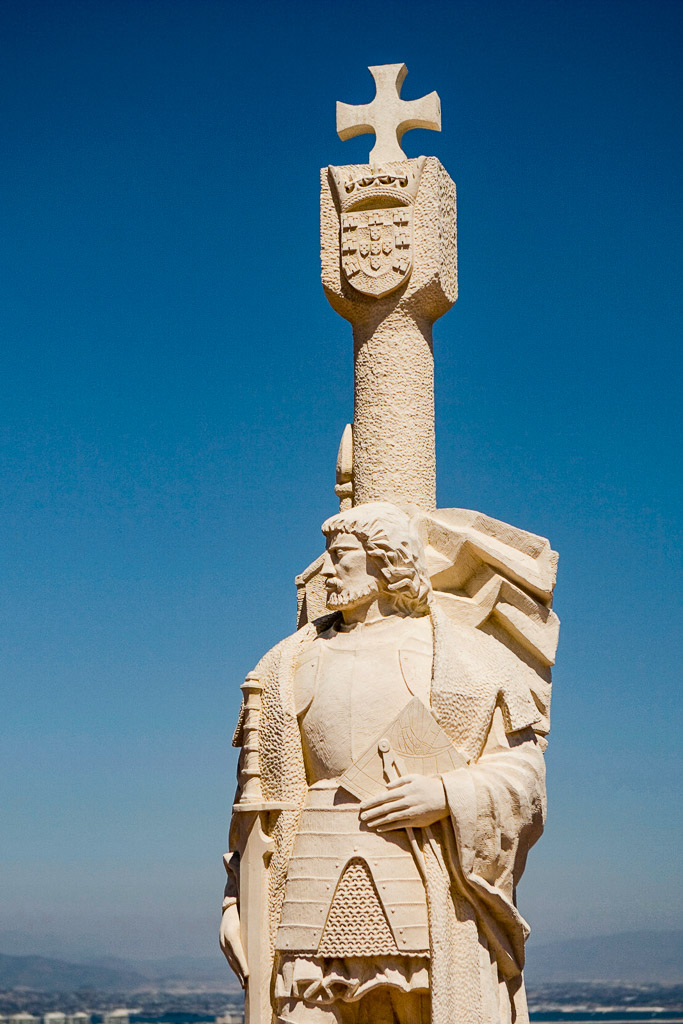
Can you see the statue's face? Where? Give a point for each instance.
(351, 577)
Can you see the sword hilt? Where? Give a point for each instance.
(250, 769)
(251, 793)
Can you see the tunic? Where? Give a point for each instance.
(352, 892)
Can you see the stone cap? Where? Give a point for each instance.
(431, 286)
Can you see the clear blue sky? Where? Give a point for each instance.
(170, 425)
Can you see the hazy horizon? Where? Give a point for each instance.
(43, 967)
(94, 947)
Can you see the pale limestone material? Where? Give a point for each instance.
(393, 421)
(344, 485)
(388, 116)
(391, 775)
(429, 901)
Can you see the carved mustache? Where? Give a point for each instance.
(341, 597)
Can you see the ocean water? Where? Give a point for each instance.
(607, 1016)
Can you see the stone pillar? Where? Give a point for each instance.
(389, 266)
(394, 455)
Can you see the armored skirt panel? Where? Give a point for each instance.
(336, 859)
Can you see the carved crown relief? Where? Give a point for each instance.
(376, 223)
(376, 202)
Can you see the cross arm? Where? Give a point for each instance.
(388, 116)
(354, 120)
(422, 113)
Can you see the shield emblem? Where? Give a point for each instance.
(377, 249)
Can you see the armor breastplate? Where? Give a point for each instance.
(351, 891)
(349, 686)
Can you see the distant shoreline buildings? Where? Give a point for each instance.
(106, 1017)
(56, 1018)
(120, 1016)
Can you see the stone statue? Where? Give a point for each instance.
(391, 777)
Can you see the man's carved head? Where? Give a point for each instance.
(376, 550)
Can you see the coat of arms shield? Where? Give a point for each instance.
(377, 249)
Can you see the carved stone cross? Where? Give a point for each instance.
(388, 116)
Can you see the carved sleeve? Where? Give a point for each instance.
(497, 807)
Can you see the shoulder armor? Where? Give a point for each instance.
(306, 671)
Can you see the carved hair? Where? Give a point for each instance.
(390, 539)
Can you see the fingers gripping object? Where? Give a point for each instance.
(392, 771)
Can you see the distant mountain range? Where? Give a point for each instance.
(114, 974)
(630, 957)
(43, 974)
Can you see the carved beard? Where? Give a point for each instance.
(337, 600)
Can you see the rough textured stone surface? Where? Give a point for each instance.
(393, 423)
(356, 911)
(432, 287)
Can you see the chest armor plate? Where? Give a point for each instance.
(349, 687)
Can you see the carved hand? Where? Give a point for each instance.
(230, 940)
(413, 801)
